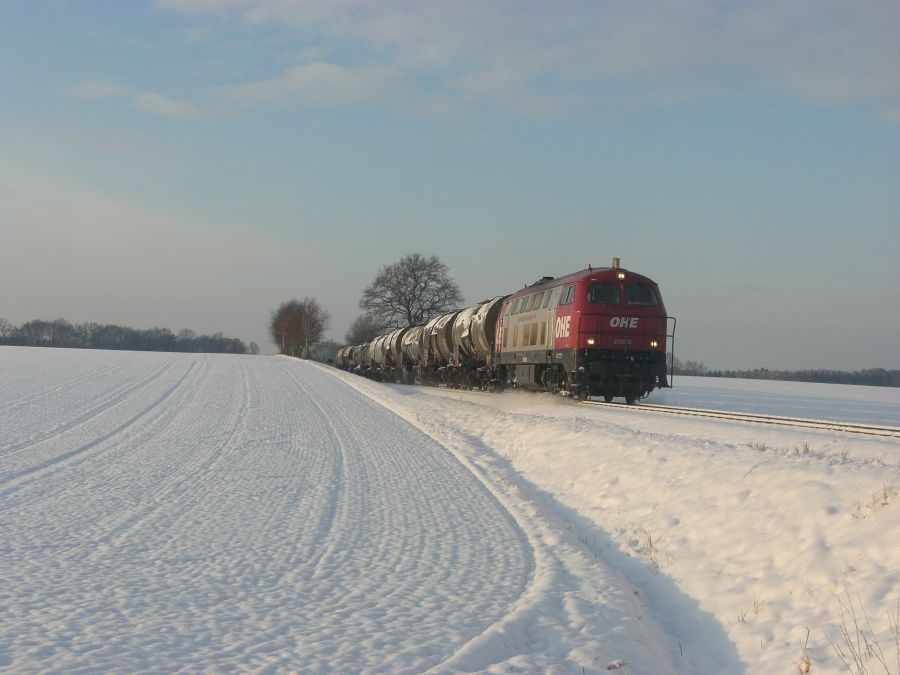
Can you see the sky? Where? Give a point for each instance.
(195, 163)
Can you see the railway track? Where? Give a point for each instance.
(828, 425)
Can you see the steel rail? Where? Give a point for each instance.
(829, 425)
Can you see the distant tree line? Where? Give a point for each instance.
(62, 333)
(875, 377)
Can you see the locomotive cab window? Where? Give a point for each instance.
(603, 294)
(567, 295)
(639, 295)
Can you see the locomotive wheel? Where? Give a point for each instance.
(608, 398)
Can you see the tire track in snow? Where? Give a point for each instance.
(14, 481)
(100, 472)
(322, 548)
(59, 388)
(117, 397)
(156, 511)
(248, 522)
(433, 541)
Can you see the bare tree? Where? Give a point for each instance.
(364, 328)
(410, 292)
(297, 325)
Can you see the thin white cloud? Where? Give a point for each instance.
(323, 84)
(157, 104)
(97, 90)
(532, 56)
(148, 102)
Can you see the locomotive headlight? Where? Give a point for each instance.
(590, 341)
(621, 275)
(654, 344)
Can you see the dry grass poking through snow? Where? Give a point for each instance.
(857, 644)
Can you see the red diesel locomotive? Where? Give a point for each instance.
(598, 332)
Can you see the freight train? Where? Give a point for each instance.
(599, 332)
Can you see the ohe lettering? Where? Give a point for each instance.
(623, 322)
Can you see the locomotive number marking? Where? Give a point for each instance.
(562, 326)
(623, 322)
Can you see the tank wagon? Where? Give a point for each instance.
(597, 332)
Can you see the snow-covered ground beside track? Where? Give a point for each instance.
(837, 402)
(211, 512)
(742, 540)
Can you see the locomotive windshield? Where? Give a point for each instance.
(611, 294)
(603, 294)
(639, 295)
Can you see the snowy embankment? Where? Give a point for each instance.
(169, 511)
(746, 542)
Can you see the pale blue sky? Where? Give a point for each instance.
(194, 163)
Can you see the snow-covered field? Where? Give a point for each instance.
(223, 513)
(863, 405)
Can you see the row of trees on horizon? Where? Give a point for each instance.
(875, 377)
(90, 335)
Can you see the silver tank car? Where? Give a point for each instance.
(461, 335)
(358, 356)
(377, 353)
(394, 348)
(483, 329)
(411, 345)
(439, 341)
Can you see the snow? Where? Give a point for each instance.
(843, 403)
(210, 512)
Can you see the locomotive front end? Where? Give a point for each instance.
(622, 336)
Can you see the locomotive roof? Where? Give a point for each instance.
(588, 273)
